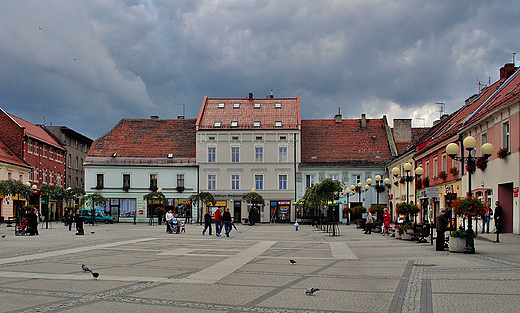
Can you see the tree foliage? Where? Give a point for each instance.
(15, 187)
(94, 199)
(253, 198)
(203, 197)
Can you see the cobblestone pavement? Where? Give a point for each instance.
(143, 269)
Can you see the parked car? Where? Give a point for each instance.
(99, 216)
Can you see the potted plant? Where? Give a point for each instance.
(180, 188)
(502, 153)
(443, 174)
(454, 170)
(126, 188)
(482, 164)
(418, 183)
(457, 240)
(426, 182)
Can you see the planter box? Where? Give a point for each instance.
(457, 244)
(407, 236)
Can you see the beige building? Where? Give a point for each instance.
(250, 143)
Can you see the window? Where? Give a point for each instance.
(445, 163)
(180, 180)
(218, 124)
(259, 182)
(309, 181)
(256, 124)
(506, 136)
(126, 180)
(356, 179)
(221, 105)
(30, 144)
(283, 138)
(100, 181)
(257, 105)
(282, 154)
(77, 163)
(211, 138)
(9, 176)
(35, 174)
(212, 182)
(259, 154)
(44, 153)
(235, 154)
(153, 180)
(278, 105)
(235, 182)
(236, 105)
(58, 179)
(282, 182)
(334, 177)
(234, 138)
(212, 155)
(483, 138)
(234, 123)
(70, 161)
(44, 176)
(435, 168)
(35, 148)
(278, 124)
(427, 170)
(51, 151)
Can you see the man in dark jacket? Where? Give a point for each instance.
(226, 218)
(32, 218)
(441, 222)
(79, 223)
(207, 223)
(498, 217)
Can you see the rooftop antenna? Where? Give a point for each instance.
(183, 109)
(514, 58)
(441, 111)
(481, 85)
(44, 120)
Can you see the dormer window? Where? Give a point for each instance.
(221, 105)
(258, 138)
(236, 105)
(234, 123)
(278, 105)
(283, 138)
(256, 124)
(278, 124)
(257, 105)
(218, 124)
(211, 138)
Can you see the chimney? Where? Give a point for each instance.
(507, 70)
(363, 120)
(271, 96)
(338, 118)
(154, 117)
(402, 129)
(250, 96)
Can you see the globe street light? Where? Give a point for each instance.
(408, 178)
(452, 150)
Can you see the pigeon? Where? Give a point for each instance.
(292, 261)
(311, 291)
(3, 236)
(86, 269)
(92, 232)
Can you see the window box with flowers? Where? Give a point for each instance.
(454, 170)
(426, 182)
(126, 188)
(418, 183)
(502, 153)
(443, 175)
(401, 180)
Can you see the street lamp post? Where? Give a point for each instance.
(347, 193)
(452, 150)
(408, 178)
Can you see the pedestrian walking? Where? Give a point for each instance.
(207, 223)
(169, 221)
(441, 222)
(485, 220)
(386, 222)
(218, 222)
(79, 223)
(296, 226)
(32, 219)
(226, 218)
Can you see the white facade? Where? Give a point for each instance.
(232, 163)
(125, 204)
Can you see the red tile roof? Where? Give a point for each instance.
(327, 143)
(265, 111)
(8, 156)
(417, 133)
(147, 138)
(36, 132)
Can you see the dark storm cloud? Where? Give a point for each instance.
(95, 62)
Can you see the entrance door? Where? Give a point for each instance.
(237, 211)
(505, 196)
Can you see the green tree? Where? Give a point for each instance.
(94, 199)
(205, 198)
(15, 187)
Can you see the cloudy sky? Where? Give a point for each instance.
(88, 64)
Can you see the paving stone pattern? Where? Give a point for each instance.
(144, 269)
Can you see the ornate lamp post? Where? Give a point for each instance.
(359, 188)
(452, 150)
(379, 185)
(347, 193)
(407, 177)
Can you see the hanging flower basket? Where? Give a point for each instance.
(454, 170)
(502, 153)
(482, 164)
(418, 183)
(470, 168)
(469, 207)
(405, 209)
(402, 181)
(379, 188)
(426, 182)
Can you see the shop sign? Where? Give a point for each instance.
(449, 189)
(433, 192)
(284, 202)
(141, 211)
(515, 192)
(274, 203)
(390, 196)
(183, 201)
